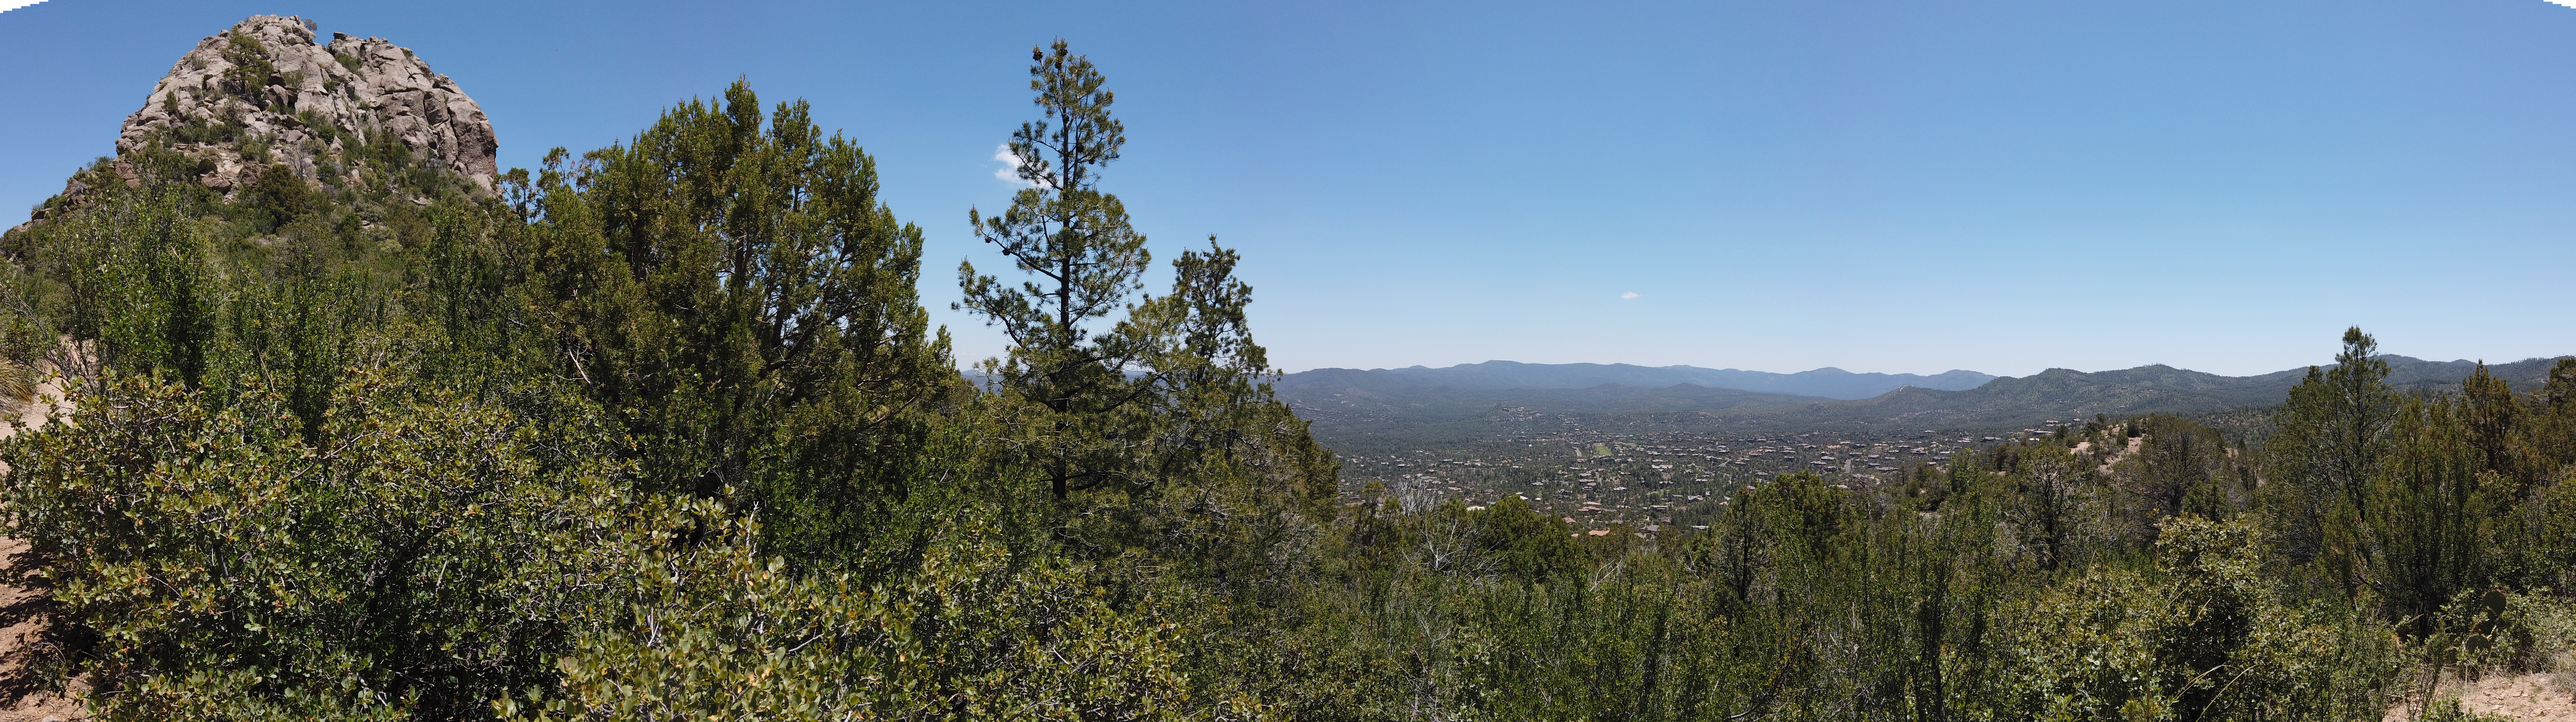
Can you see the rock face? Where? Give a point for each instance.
(268, 80)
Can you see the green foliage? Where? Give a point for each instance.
(296, 336)
(2061, 516)
(1524, 543)
(2328, 441)
(2449, 710)
(251, 72)
(433, 554)
(2414, 541)
(277, 198)
(2182, 468)
(1157, 438)
(2200, 636)
(738, 296)
(25, 340)
(2543, 541)
(1087, 262)
(717, 632)
(133, 275)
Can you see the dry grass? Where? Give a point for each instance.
(18, 384)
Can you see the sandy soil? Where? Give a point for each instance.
(2525, 697)
(2116, 456)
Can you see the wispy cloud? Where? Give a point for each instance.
(1009, 172)
(8, 5)
(1633, 294)
(2569, 3)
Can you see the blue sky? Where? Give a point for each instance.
(1879, 186)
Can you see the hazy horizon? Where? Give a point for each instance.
(2491, 361)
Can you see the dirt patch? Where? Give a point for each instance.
(26, 692)
(2116, 454)
(2525, 697)
(2522, 697)
(47, 404)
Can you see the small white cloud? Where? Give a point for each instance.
(1633, 294)
(8, 5)
(2569, 3)
(1010, 170)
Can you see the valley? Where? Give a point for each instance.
(1650, 459)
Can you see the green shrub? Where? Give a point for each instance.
(2450, 710)
(277, 198)
(251, 73)
(714, 631)
(437, 551)
(2205, 635)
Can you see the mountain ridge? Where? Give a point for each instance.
(1348, 401)
(1827, 382)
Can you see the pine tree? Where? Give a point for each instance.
(2495, 422)
(2414, 540)
(738, 293)
(2330, 438)
(1087, 261)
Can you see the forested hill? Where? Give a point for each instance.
(1345, 413)
(2068, 394)
(1347, 401)
(1828, 382)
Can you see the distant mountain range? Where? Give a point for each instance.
(1344, 402)
(1828, 382)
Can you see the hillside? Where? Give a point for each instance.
(1349, 404)
(1357, 416)
(2068, 394)
(1832, 383)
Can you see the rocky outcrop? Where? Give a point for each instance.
(266, 92)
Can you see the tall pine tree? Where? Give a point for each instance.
(1086, 260)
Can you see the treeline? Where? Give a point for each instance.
(661, 431)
